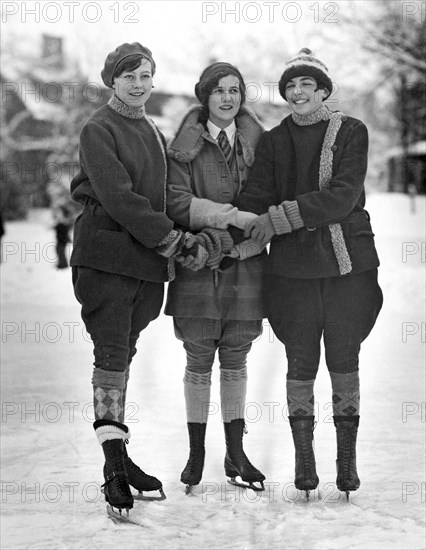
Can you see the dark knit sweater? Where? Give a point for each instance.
(121, 182)
(287, 168)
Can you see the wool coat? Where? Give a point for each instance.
(197, 168)
(287, 168)
(122, 184)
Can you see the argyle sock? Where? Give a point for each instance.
(300, 397)
(345, 389)
(108, 394)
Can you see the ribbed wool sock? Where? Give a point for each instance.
(108, 394)
(300, 397)
(233, 389)
(106, 430)
(345, 393)
(197, 395)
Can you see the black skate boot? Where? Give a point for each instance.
(346, 432)
(116, 487)
(236, 461)
(193, 471)
(140, 480)
(302, 428)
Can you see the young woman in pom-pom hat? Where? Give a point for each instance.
(216, 309)
(124, 244)
(307, 184)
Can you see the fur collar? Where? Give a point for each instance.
(191, 135)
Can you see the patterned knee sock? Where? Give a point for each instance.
(233, 388)
(345, 393)
(126, 380)
(108, 394)
(197, 395)
(300, 397)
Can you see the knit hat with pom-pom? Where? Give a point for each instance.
(305, 64)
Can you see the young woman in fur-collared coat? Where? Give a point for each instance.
(216, 309)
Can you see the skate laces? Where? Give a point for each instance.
(130, 465)
(305, 440)
(347, 452)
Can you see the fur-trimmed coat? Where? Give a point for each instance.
(197, 168)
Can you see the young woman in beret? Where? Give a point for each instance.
(124, 244)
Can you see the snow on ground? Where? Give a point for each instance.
(51, 462)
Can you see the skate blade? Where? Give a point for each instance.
(141, 496)
(188, 490)
(118, 517)
(238, 482)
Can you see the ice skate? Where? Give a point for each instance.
(346, 432)
(306, 478)
(116, 487)
(193, 471)
(142, 481)
(238, 469)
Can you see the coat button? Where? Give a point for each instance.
(243, 182)
(334, 148)
(344, 118)
(239, 152)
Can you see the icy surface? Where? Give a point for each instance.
(51, 462)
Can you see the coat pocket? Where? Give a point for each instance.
(359, 239)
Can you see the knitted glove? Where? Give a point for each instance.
(217, 242)
(241, 251)
(246, 249)
(206, 213)
(193, 256)
(196, 259)
(274, 222)
(291, 209)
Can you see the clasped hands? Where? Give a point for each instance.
(265, 226)
(205, 249)
(193, 255)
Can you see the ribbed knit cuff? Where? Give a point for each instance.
(279, 220)
(171, 243)
(109, 431)
(291, 209)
